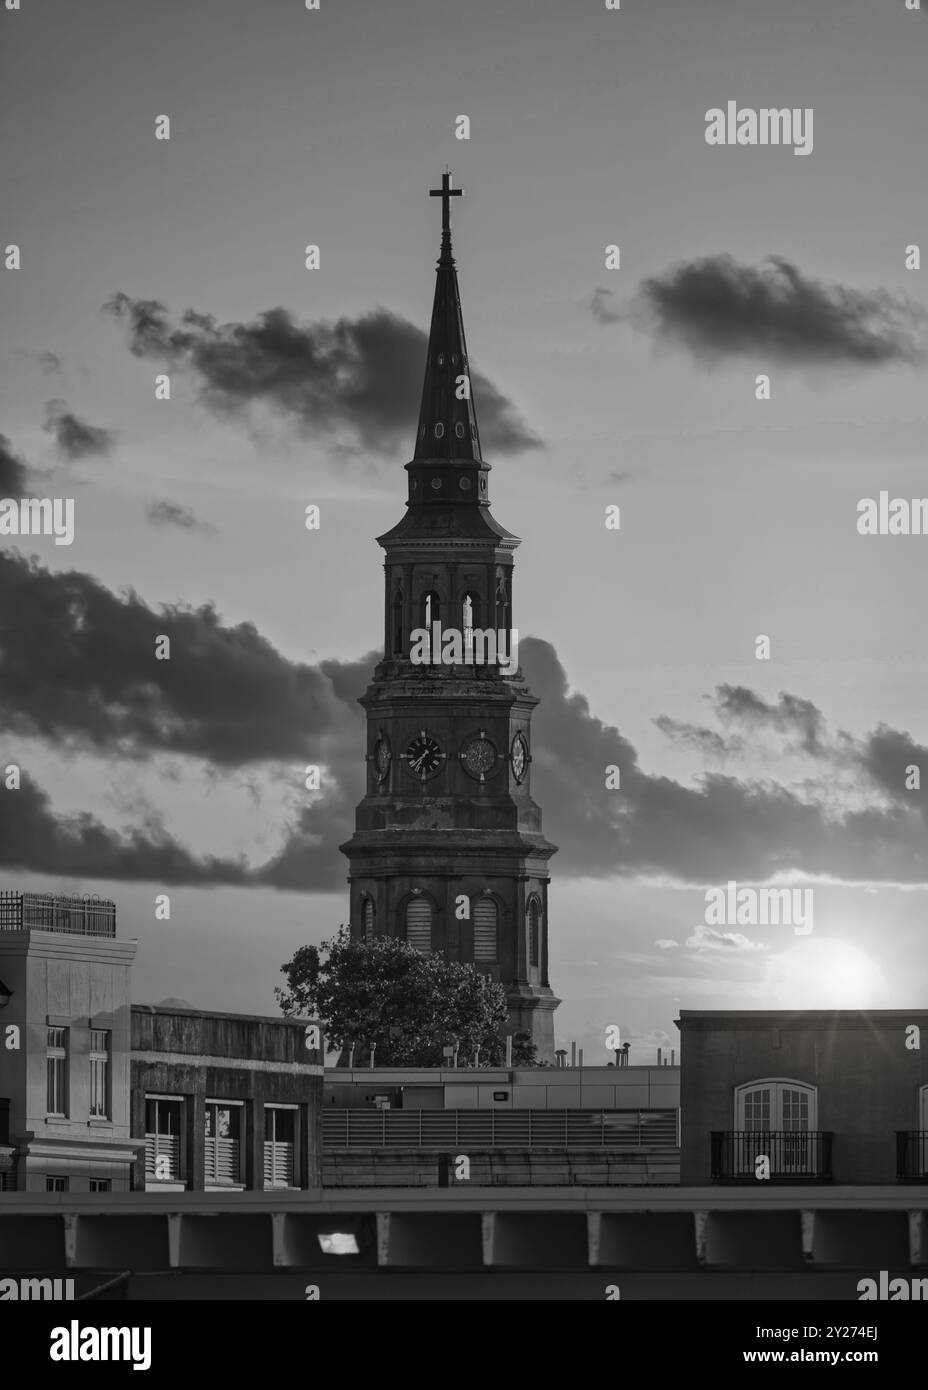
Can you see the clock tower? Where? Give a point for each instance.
(448, 851)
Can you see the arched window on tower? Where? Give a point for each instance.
(397, 639)
(419, 924)
(470, 618)
(367, 919)
(486, 929)
(431, 611)
(503, 607)
(534, 932)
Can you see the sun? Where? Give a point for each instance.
(825, 973)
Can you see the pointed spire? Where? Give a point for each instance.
(447, 419)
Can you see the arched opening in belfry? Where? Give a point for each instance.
(398, 624)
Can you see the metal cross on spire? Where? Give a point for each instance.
(446, 193)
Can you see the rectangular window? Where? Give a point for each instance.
(56, 1184)
(101, 1184)
(99, 1073)
(223, 1145)
(163, 1131)
(56, 1053)
(279, 1146)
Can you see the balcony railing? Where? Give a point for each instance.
(80, 916)
(793, 1155)
(911, 1155)
(499, 1129)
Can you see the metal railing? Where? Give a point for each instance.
(80, 916)
(911, 1155)
(801, 1155)
(498, 1129)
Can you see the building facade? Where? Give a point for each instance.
(448, 851)
(225, 1102)
(805, 1097)
(64, 1045)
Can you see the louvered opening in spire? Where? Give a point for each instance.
(447, 419)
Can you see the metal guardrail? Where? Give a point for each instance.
(80, 916)
(912, 1155)
(800, 1155)
(348, 1129)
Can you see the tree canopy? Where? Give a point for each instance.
(409, 1006)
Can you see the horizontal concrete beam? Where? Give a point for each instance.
(441, 1232)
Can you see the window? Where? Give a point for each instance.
(503, 609)
(99, 1073)
(56, 1053)
(431, 611)
(398, 623)
(367, 919)
(163, 1136)
(101, 1184)
(419, 924)
(279, 1146)
(469, 620)
(534, 932)
(224, 1135)
(783, 1113)
(56, 1184)
(486, 929)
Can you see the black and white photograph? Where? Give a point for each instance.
(463, 686)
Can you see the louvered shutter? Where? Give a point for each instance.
(486, 919)
(419, 924)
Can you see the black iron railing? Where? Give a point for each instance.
(911, 1155)
(81, 916)
(792, 1155)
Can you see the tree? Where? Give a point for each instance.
(410, 1006)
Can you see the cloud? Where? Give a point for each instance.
(709, 742)
(716, 308)
(78, 667)
(666, 943)
(604, 307)
(722, 827)
(166, 513)
(50, 361)
(75, 438)
(706, 938)
(12, 471)
(33, 838)
(355, 382)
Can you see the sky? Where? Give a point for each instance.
(633, 387)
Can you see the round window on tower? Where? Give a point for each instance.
(422, 431)
(439, 430)
(464, 484)
(441, 359)
(459, 430)
(436, 483)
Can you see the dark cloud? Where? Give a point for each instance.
(165, 513)
(34, 838)
(715, 307)
(355, 382)
(12, 471)
(604, 308)
(723, 827)
(77, 666)
(709, 742)
(75, 438)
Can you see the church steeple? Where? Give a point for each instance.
(447, 432)
(448, 851)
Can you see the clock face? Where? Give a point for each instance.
(519, 757)
(424, 756)
(382, 757)
(479, 757)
